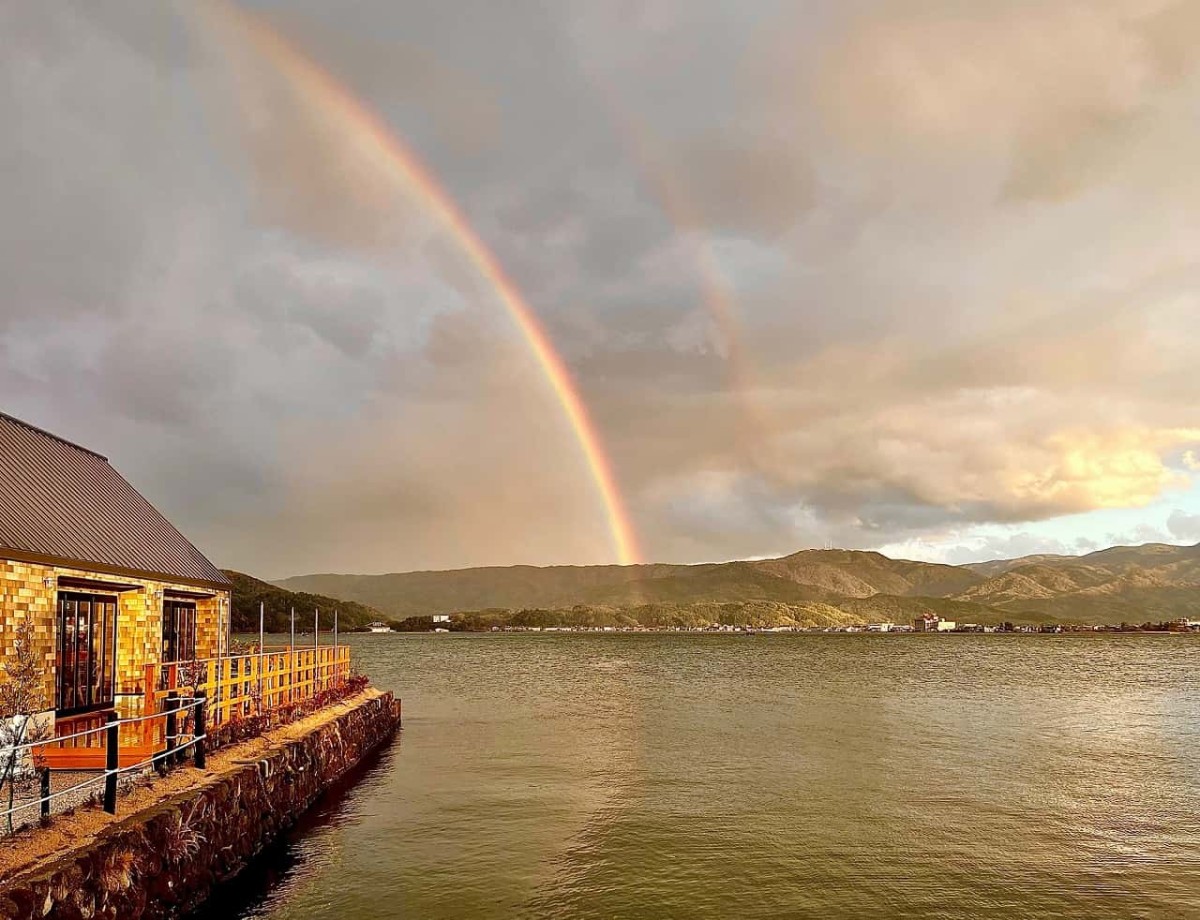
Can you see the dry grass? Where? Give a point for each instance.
(118, 871)
(182, 840)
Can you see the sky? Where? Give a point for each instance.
(917, 275)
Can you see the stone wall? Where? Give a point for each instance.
(165, 861)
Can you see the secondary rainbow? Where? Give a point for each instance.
(373, 139)
(718, 292)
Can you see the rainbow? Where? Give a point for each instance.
(718, 292)
(373, 139)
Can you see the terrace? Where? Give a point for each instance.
(187, 709)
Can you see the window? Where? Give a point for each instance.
(85, 659)
(179, 631)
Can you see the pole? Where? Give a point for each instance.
(168, 757)
(261, 618)
(111, 764)
(115, 645)
(316, 649)
(199, 728)
(222, 648)
(335, 649)
(45, 792)
(292, 661)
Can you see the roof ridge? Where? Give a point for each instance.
(51, 434)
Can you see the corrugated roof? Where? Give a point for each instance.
(65, 502)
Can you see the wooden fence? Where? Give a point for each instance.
(234, 687)
(240, 686)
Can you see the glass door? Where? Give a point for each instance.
(85, 659)
(179, 631)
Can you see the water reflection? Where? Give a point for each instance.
(713, 777)
(289, 871)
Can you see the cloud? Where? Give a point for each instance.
(1184, 526)
(1059, 90)
(1012, 545)
(862, 273)
(757, 190)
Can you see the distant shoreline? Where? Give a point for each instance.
(787, 631)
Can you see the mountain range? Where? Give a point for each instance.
(1122, 584)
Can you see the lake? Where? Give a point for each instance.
(720, 776)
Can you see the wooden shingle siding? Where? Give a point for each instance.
(24, 595)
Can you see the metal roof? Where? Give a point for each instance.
(63, 502)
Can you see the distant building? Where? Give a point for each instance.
(441, 618)
(379, 627)
(931, 622)
(881, 627)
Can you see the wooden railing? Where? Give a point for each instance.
(241, 686)
(181, 703)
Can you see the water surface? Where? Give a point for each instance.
(692, 776)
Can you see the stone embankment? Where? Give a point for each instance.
(179, 839)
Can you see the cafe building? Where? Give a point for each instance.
(109, 584)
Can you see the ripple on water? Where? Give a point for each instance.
(575, 776)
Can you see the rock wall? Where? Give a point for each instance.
(165, 861)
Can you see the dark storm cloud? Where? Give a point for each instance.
(851, 272)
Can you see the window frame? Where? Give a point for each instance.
(87, 689)
(178, 630)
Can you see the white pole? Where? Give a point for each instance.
(292, 660)
(261, 617)
(335, 648)
(214, 702)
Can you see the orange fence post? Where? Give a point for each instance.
(148, 698)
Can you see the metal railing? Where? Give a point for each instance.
(36, 755)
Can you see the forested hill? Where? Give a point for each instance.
(813, 576)
(1123, 584)
(278, 603)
